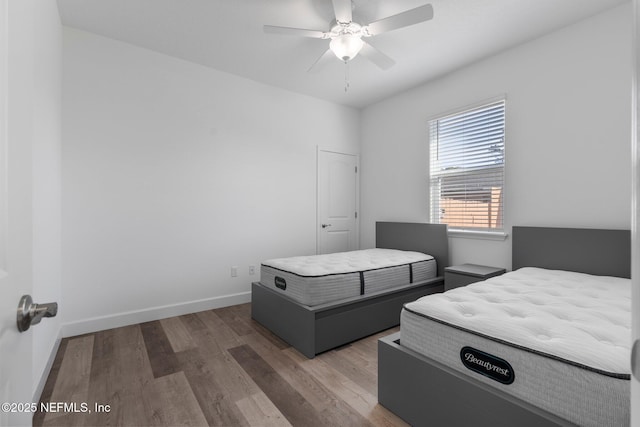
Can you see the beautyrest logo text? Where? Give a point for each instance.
(486, 365)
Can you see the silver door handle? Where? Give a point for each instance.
(31, 314)
(326, 225)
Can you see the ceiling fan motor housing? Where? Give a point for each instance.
(346, 40)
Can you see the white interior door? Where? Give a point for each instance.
(16, 81)
(635, 227)
(337, 202)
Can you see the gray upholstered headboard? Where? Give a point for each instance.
(592, 251)
(430, 239)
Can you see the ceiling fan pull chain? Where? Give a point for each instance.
(346, 76)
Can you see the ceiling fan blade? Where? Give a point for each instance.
(377, 57)
(342, 9)
(403, 19)
(315, 34)
(321, 61)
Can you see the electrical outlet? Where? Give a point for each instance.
(252, 270)
(234, 271)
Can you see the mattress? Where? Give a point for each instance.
(559, 340)
(319, 279)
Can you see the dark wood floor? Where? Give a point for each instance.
(217, 367)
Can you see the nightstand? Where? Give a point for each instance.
(465, 274)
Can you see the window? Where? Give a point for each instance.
(467, 168)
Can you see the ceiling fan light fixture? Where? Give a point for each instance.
(346, 36)
(346, 46)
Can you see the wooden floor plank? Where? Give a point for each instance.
(259, 410)
(348, 391)
(217, 406)
(216, 367)
(161, 354)
(243, 310)
(276, 341)
(192, 322)
(205, 338)
(304, 383)
(101, 385)
(38, 417)
(230, 376)
(291, 403)
(130, 373)
(72, 386)
(352, 367)
(174, 403)
(235, 320)
(225, 336)
(120, 378)
(177, 334)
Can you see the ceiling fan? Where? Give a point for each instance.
(347, 36)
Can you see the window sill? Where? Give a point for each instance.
(473, 234)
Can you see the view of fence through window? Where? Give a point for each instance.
(467, 168)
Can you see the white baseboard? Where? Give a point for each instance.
(117, 320)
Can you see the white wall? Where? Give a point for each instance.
(567, 138)
(46, 127)
(173, 173)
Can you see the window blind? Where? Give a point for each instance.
(467, 168)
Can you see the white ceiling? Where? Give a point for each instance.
(227, 35)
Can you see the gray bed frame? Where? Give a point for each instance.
(424, 392)
(312, 330)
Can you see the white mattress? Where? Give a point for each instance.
(318, 279)
(566, 336)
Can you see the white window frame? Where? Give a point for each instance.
(462, 231)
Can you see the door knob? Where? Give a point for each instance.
(326, 225)
(31, 314)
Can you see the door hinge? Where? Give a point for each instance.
(635, 359)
